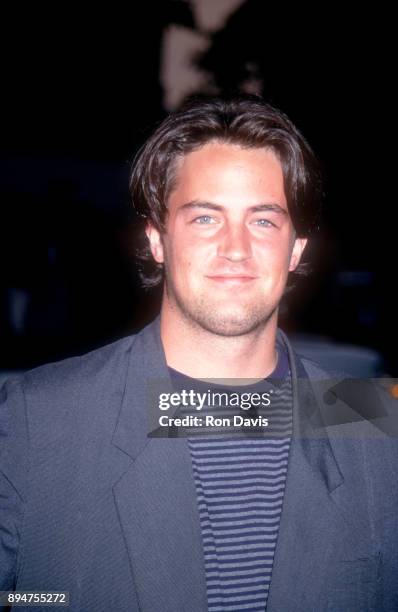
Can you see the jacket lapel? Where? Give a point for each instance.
(315, 533)
(308, 514)
(156, 497)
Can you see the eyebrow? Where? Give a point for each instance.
(268, 207)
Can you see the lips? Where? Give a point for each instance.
(231, 279)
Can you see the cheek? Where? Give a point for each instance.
(182, 260)
(193, 252)
(273, 256)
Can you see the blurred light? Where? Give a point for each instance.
(179, 74)
(394, 390)
(211, 15)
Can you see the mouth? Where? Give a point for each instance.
(231, 279)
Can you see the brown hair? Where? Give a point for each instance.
(246, 121)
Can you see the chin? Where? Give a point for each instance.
(229, 325)
(220, 317)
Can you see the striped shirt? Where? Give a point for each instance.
(240, 481)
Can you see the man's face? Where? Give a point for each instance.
(229, 241)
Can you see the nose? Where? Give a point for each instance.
(235, 243)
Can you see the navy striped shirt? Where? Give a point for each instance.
(240, 481)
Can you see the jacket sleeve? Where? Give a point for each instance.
(14, 458)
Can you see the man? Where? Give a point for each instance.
(108, 496)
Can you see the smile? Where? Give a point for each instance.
(229, 280)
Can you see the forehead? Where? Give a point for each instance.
(220, 172)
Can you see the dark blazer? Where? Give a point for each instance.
(89, 504)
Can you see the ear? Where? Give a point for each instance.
(155, 243)
(297, 251)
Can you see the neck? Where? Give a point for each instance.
(198, 353)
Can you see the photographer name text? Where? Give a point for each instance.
(212, 421)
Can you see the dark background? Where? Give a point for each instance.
(81, 92)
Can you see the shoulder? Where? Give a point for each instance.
(80, 388)
(345, 401)
(304, 366)
(57, 398)
(80, 369)
(100, 366)
(314, 369)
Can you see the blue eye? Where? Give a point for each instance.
(204, 220)
(264, 223)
